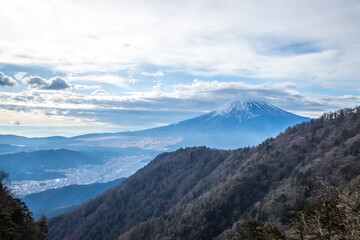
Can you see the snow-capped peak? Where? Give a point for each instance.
(230, 107)
(245, 109)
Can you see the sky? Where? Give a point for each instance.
(72, 67)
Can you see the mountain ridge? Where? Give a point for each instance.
(202, 193)
(59, 200)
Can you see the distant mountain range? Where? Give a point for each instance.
(203, 193)
(232, 125)
(36, 165)
(55, 201)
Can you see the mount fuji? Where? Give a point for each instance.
(233, 125)
(250, 116)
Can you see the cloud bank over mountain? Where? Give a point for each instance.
(105, 112)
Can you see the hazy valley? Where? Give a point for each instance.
(105, 157)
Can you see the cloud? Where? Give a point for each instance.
(55, 83)
(101, 78)
(329, 85)
(86, 87)
(7, 81)
(74, 113)
(153, 74)
(15, 123)
(38, 116)
(183, 100)
(216, 91)
(99, 92)
(233, 38)
(157, 87)
(35, 81)
(20, 75)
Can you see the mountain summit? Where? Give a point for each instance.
(249, 115)
(247, 110)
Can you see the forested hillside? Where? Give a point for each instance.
(201, 193)
(170, 179)
(16, 220)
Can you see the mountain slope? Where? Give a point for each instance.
(55, 201)
(7, 148)
(164, 195)
(201, 193)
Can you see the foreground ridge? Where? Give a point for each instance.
(202, 193)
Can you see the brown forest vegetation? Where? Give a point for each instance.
(202, 193)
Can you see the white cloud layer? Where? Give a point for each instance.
(55, 83)
(290, 40)
(153, 74)
(102, 78)
(100, 92)
(20, 75)
(86, 87)
(182, 101)
(7, 81)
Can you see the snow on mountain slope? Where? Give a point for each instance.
(247, 110)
